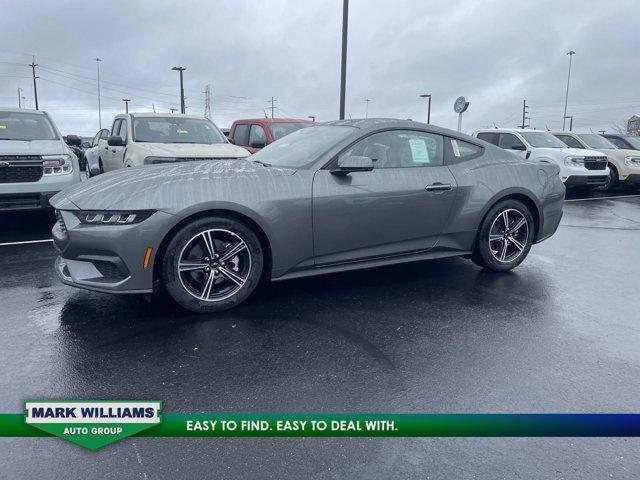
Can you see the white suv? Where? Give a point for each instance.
(578, 167)
(152, 138)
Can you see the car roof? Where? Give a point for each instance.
(510, 130)
(21, 110)
(162, 115)
(272, 120)
(369, 124)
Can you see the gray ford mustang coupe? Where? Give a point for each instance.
(337, 196)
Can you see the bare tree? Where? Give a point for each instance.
(619, 127)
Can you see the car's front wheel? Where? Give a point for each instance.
(612, 179)
(212, 264)
(505, 236)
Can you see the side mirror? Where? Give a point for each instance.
(521, 148)
(258, 144)
(353, 164)
(115, 141)
(86, 145)
(230, 140)
(73, 140)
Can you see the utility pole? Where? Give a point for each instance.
(343, 63)
(272, 107)
(570, 117)
(33, 66)
(571, 53)
(99, 106)
(19, 97)
(525, 110)
(428, 97)
(312, 117)
(207, 102)
(126, 104)
(181, 69)
(366, 113)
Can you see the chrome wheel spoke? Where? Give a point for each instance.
(209, 245)
(518, 225)
(232, 276)
(505, 219)
(518, 245)
(206, 289)
(233, 251)
(503, 250)
(495, 238)
(192, 265)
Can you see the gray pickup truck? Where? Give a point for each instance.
(35, 161)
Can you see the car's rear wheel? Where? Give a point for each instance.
(505, 236)
(212, 264)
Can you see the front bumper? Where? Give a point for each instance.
(632, 179)
(25, 201)
(583, 180)
(108, 258)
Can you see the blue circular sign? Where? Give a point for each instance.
(460, 105)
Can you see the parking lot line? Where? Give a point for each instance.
(26, 242)
(601, 198)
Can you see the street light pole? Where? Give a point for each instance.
(343, 64)
(33, 66)
(366, 113)
(181, 69)
(99, 106)
(312, 117)
(126, 104)
(428, 97)
(19, 97)
(571, 53)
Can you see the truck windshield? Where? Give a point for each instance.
(174, 129)
(26, 127)
(302, 147)
(594, 140)
(542, 140)
(279, 130)
(635, 141)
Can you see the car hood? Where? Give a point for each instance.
(172, 187)
(34, 147)
(224, 150)
(619, 153)
(565, 152)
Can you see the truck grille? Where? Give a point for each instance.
(595, 163)
(20, 168)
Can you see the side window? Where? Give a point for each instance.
(104, 134)
(509, 141)
(463, 150)
(400, 149)
(116, 127)
(569, 141)
(257, 135)
(241, 135)
(617, 142)
(122, 133)
(97, 138)
(490, 137)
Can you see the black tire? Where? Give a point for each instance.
(189, 242)
(486, 253)
(100, 168)
(612, 179)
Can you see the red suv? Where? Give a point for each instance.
(256, 133)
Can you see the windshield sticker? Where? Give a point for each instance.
(3, 126)
(182, 131)
(419, 150)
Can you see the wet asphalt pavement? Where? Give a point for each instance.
(561, 333)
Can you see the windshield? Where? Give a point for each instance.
(279, 130)
(25, 126)
(542, 140)
(594, 140)
(302, 147)
(175, 130)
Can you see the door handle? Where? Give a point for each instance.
(438, 187)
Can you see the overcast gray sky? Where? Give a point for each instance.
(496, 53)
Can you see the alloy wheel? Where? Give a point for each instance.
(508, 235)
(214, 265)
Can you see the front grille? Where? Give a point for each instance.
(16, 202)
(595, 163)
(596, 180)
(108, 270)
(20, 168)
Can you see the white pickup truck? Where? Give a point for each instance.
(578, 167)
(139, 139)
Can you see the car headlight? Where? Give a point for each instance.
(632, 161)
(112, 217)
(158, 160)
(574, 161)
(57, 164)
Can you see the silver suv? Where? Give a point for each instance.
(35, 161)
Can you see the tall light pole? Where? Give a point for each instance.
(428, 97)
(181, 69)
(571, 53)
(99, 106)
(343, 64)
(33, 66)
(19, 97)
(126, 104)
(366, 112)
(312, 117)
